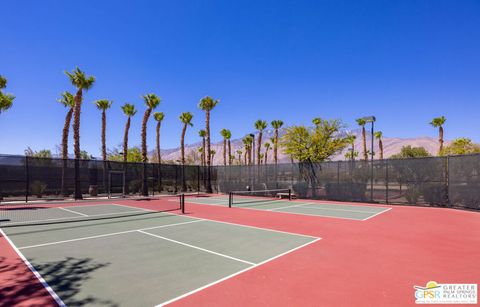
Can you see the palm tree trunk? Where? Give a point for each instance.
(209, 155)
(159, 155)
(380, 146)
(259, 145)
(364, 140)
(440, 139)
(125, 153)
(245, 156)
(104, 149)
(203, 152)
(275, 147)
(266, 156)
(125, 140)
(66, 129)
(144, 151)
(104, 136)
(229, 153)
(182, 148)
(144, 134)
(76, 142)
(224, 151)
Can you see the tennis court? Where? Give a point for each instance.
(117, 254)
(269, 201)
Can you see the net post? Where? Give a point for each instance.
(182, 203)
(289, 194)
(230, 199)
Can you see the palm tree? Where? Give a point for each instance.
(350, 139)
(229, 145)
(202, 133)
(207, 104)
(3, 82)
(226, 134)
(223, 133)
(212, 153)
(103, 105)
(267, 148)
(67, 100)
(438, 122)
(248, 141)
(276, 124)
(129, 110)
(378, 136)
(239, 153)
(186, 119)
(158, 116)
(361, 122)
(151, 101)
(82, 83)
(202, 156)
(260, 125)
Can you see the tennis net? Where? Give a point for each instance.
(258, 197)
(54, 213)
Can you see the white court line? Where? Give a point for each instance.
(34, 271)
(235, 274)
(143, 209)
(71, 211)
(197, 247)
(308, 205)
(107, 235)
(388, 209)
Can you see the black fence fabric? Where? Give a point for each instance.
(28, 178)
(435, 181)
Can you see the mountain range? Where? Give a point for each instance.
(391, 146)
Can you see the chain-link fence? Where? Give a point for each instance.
(29, 178)
(435, 181)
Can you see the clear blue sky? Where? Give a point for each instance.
(403, 61)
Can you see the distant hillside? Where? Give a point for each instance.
(390, 146)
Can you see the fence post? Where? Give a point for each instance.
(27, 179)
(386, 181)
(447, 181)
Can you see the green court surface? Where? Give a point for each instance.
(354, 212)
(143, 260)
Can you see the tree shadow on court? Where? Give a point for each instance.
(20, 287)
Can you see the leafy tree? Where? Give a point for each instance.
(158, 116)
(133, 154)
(438, 122)
(260, 125)
(6, 100)
(129, 110)
(351, 155)
(103, 105)
(318, 145)
(361, 122)
(411, 152)
(44, 153)
(207, 104)
(461, 146)
(239, 153)
(378, 136)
